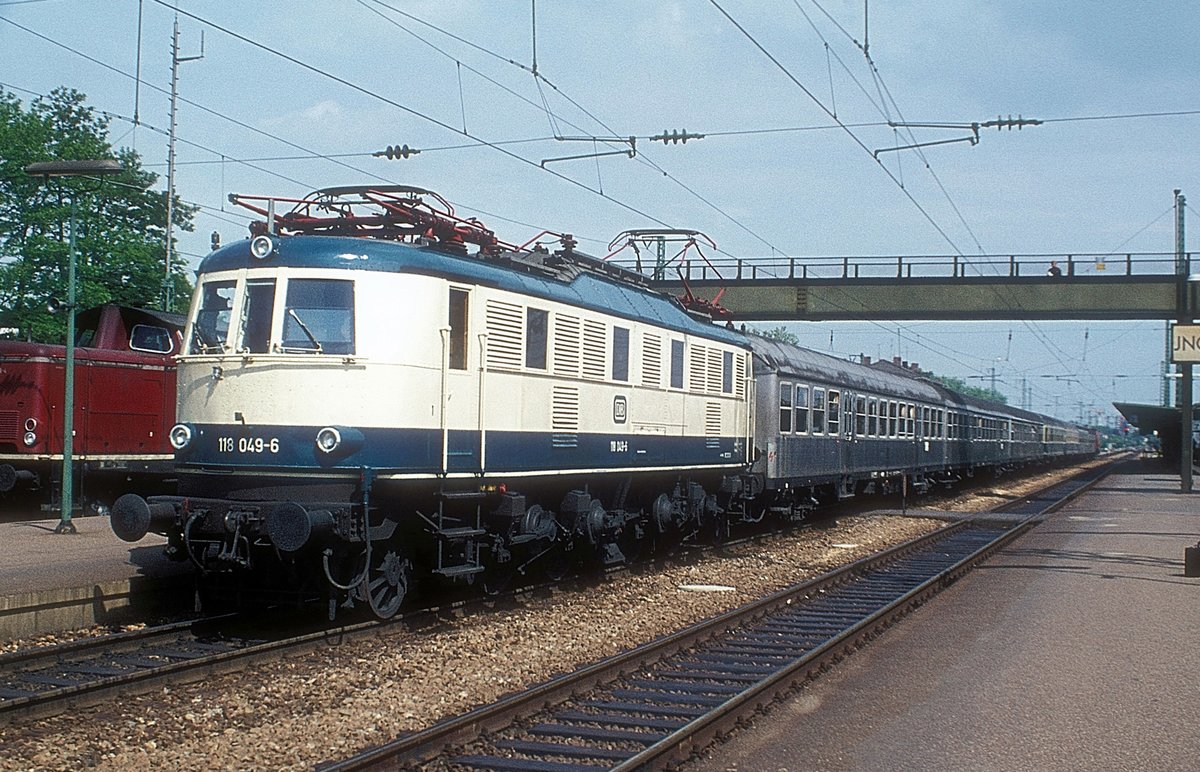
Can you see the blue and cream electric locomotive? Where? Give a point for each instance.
(375, 389)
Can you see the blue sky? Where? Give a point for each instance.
(1080, 186)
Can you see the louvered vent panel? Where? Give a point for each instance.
(739, 375)
(504, 342)
(566, 346)
(564, 417)
(712, 424)
(10, 425)
(715, 358)
(595, 352)
(698, 378)
(652, 361)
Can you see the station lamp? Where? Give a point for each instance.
(96, 168)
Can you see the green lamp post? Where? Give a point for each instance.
(46, 170)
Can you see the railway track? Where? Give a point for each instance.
(48, 680)
(661, 702)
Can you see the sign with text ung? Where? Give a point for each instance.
(1185, 343)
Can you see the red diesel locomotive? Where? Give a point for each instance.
(124, 407)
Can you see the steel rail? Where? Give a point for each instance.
(430, 743)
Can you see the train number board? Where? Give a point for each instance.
(1185, 343)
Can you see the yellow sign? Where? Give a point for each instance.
(1185, 343)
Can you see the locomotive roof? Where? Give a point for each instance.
(585, 287)
(793, 361)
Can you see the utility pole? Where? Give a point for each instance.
(1184, 389)
(176, 60)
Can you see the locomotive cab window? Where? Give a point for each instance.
(458, 329)
(319, 316)
(212, 320)
(257, 308)
(151, 339)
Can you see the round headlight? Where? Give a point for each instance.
(262, 247)
(30, 439)
(181, 436)
(30, 424)
(328, 439)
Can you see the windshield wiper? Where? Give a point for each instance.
(316, 343)
(206, 346)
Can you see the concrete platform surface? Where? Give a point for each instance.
(51, 582)
(1078, 647)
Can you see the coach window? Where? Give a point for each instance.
(872, 417)
(458, 329)
(212, 321)
(257, 307)
(835, 412)
(912, 420)
(620, 354)
(860, 411)
(891, 422)
(801, 409)
(536, 324)
(676, 364)
(818, 411)
(319, 316)
(785, 408)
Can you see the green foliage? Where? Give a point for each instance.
(780, 334)
(120, 224)
(959, 385)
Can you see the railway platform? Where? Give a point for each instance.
(53, 582)
(1074, 648)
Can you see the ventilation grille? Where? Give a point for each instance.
(566, 346)
(10, 424)
(739, 375)
(652, 361)
(715, 359)
(712, 424)
(595, 355)
(697, 370)
(564, 417)
(504, 329)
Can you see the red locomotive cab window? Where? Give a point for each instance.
(151, 339)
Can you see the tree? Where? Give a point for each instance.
(780, 334)
(120, 224)
(959, 385)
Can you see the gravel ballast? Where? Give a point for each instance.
(333, 702)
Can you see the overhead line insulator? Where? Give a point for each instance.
(396, 151)
(675, 137)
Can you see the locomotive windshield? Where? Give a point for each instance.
(212, 321)
(317, 318)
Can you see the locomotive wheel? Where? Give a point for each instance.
(387, 580)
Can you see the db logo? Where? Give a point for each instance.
(620, 410)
